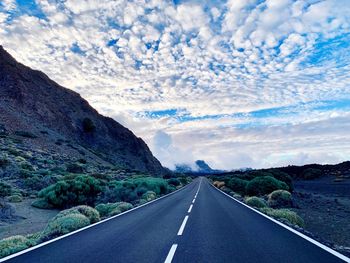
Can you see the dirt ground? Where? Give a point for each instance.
(29, 220)
(324, 204)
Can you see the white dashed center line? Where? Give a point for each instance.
(189, 210)
(181, 230)
(171, 254)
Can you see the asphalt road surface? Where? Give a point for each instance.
(196, 224)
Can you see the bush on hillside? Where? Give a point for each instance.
(237, 185)
(255, 202)
(264, 185)
(82, 190)
(4, 162)
(26, 134)
(284, 214)
(279, 199)
(88, 125)
(5, 189)
(75, 168)
(283, 177)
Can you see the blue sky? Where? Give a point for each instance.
(238, 83)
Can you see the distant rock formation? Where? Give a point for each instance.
(200, 167)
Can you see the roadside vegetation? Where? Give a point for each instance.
(82, 190)
(268, 191)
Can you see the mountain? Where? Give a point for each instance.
(50, 116)
(200, 167)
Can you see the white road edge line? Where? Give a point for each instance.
(190, 209)
(182, 227)
(87, 227)
(194, 200)
(171, 254)
(324, 247)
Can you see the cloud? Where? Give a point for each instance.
(220, 65)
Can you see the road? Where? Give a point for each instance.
(196, 224)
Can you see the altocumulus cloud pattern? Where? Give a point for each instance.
(238, 83)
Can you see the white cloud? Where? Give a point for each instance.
(237, 57)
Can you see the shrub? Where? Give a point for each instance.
(149, 196)
(174, 181)
(14, 244)
(311, 173)
(255, 202)
(4, 162)
(284, 214)
(7, 211)
(280, 198)
(5, 189)
(27, 166)
(111, 209)
(264, 185)
(66, 193)
(15, 198)
(64, 224)
(75, 168)
(219, 184)
(283, 177)
(237, 185)
(42, 204)
(91, 213)
(88, 125)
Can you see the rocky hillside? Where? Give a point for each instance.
(48, 116)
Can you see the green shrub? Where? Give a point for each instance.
(255, 202)
(5, 189)
(174, 181)
(279, 199)
(283, 177)
(285, 214)
(14, 244)
(134, 188)
(66, 193)
(149, 196)
(311, 173)
(64, 224)
(111, 209)
(264, 185)
(15, 198)
(91, 213)
(88, 125)
(27, 166)
(42, 204)
(237, 185)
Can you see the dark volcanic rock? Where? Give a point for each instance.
(31, 102)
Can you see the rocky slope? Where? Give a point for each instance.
(49, 116)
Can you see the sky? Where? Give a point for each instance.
(237, 83)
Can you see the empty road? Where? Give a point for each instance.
(196, 224)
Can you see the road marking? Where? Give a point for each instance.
(194, 200)
(189, 210)
(313, 241)
(87, 227)
(171, 254)
(181, 230)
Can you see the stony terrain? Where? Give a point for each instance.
(324, 204)
(60, 120)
